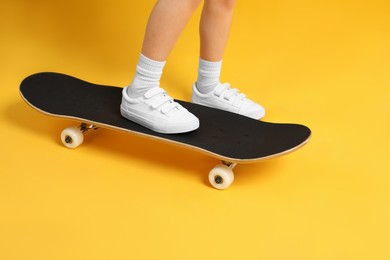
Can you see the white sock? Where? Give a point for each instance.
(208, 75)
(148, 75)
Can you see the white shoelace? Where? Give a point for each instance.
(159, 98)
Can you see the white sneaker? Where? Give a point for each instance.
(225, 98)
(158, 112)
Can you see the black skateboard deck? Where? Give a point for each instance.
(227, 136)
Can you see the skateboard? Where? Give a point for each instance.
(229, 137)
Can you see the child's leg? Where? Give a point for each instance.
(214, 32)
(144, 101)
(166, 22)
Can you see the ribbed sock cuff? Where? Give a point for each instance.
(148, 75)
(208, 75)
(149, 64)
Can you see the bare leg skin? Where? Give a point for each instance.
(208, 90)
(214, 29)
(166, 22)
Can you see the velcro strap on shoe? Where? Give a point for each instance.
(153, 92)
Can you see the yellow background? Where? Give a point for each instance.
(325, 64)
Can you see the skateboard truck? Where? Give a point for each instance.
(73, 136)
(229, 164)
(222, 176)
(86, 127)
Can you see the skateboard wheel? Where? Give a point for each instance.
(221, 177)
(72, 137)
